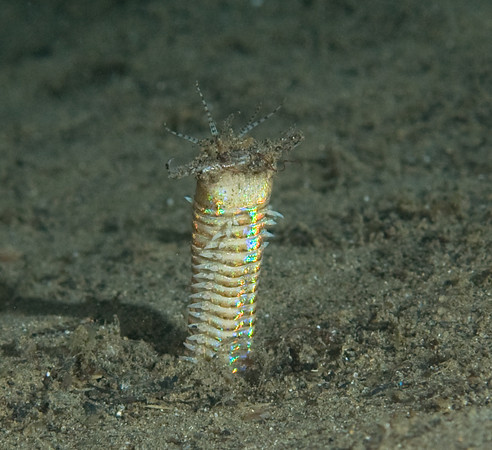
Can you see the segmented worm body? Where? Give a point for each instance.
(230, 218)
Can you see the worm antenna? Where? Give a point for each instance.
(211, 122)
(254, 123)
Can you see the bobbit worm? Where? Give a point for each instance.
(231, 214)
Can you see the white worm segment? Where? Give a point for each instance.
(230, 215)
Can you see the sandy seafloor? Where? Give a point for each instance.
(374, 309)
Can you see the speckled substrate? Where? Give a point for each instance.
(379, 332)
